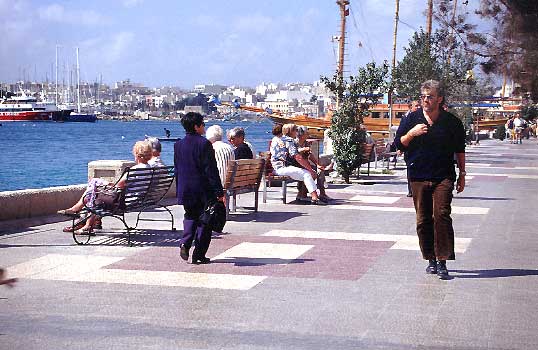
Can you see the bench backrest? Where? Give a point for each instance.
(381, 147)
(365, 152)
(244, 174)
(146, 187)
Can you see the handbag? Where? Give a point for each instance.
(214, 216)
(108, 198)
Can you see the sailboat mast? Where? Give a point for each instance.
(344, 11)
(78, 84)
(429, 18)
(56, 80)
(396, 19)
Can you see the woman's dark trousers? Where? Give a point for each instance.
(432, 200)
(194, 230)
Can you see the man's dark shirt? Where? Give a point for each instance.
(431, 156)
(197, 176)
(243, 152)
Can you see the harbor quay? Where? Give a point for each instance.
(348, 275)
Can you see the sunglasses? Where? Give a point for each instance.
(427, 97)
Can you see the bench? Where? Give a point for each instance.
(269, 176)
(365, 156)
(382, 151)
(144, 190)
(242, 176)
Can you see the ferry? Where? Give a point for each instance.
(24, 108)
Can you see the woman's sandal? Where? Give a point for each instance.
(68, 212)
(85, 232)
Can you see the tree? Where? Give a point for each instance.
(434, 57)
(510, 49)
(355, 95)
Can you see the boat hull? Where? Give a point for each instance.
(81, 118)
(26, 116)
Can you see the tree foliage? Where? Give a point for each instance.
(511, 48)
(436, 57)
(356, 95)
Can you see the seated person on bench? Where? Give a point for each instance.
(142, 153)
(287, 161)
(306, 153)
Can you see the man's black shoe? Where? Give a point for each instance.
(183, 252)
(432, 267)
(409, 195)
(442, 271)
(202, 260)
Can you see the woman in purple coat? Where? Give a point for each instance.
(197, 183)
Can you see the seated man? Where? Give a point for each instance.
(156, 148)
(236, 136)
(287, 161)
(223, 151)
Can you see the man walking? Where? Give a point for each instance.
(197, 183)
(432, 138)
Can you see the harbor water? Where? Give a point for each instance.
(45, 154)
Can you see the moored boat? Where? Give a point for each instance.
(23, 108)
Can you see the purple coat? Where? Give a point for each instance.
(197, 176)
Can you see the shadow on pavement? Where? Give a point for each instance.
(265, 216)
(485, 198)
(494, 273)
(242, 261)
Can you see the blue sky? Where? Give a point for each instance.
(186, 42)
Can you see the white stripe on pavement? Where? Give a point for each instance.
(84, 268)
(402, 242)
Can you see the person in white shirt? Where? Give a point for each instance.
(518, 127)
(223, 151)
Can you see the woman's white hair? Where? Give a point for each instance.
(214, 133)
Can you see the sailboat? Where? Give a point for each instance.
(78, 116)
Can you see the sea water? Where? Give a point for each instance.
(45, 154)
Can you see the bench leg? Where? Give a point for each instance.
(284, 190)
(375, 161)
(234, 208)
(227, 207)
(264, 194)
(256, 201)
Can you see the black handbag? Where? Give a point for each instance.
(214, 216)
(108, 198)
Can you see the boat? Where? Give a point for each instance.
(79, 116)
(24, 108)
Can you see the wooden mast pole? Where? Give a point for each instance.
(429, 18)
(396, 19)
(344, 11)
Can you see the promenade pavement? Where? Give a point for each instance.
(345, 276)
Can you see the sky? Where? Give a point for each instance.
(186, 42)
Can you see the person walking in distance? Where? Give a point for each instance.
(432, 138)
(197, 183)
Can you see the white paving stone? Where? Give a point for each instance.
(455, 209)
(265, 251)
(402, 242)
(79, 268)
(375, 199)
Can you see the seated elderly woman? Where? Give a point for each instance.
(142, 153)
(306, 153)
(287, 161)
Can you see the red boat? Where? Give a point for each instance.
(23, 108)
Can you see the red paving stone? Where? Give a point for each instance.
(328, 259)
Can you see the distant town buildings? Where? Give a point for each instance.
(127, 97)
